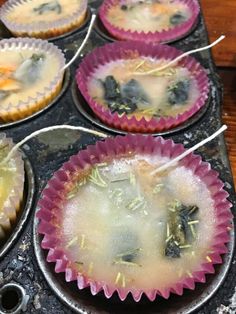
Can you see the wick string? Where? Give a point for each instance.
(187, 152)
(44, 130)
(180, 57)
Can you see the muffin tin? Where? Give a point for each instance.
(23, 261)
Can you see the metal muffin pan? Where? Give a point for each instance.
(25, 262)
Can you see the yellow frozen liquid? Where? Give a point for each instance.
(26, 14)
(21, 91)
(154, 86)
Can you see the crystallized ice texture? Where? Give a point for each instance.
(122, 226)
(117, 86)
(36, 11)
(148, 16)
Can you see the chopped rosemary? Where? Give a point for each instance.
(174, 205)
(120, 279)
(120, 177)
(169, 72)
(123, 282)
(139, 65)
(194, 208)
(79, 263)
(82, 242)
(172, 209)
(149, 111)
(8, 169)
(132, 178)
(180, 228)
(72, 242)
(130, 252)
(95, 177)
(167, 230)
(189, 273)
(186, 246)
(169, 238)
(90, 269)
(208, 258)
(117, 193)
(137, 203)
(193, 222)
(193, 231)
(157, 189)
(119, 180)
(102, 164)
(121, 262)
(73, 192)
(82, 182)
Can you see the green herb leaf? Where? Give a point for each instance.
(137, 203)
(96, 178)
(48, 7)
(157, 189)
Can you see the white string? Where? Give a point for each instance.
(44, 130)
(180, 57)
(187, 152)
(82, 45)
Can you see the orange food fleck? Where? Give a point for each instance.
(6, 82)
(160, 8)
(9, 84)
(6, 70)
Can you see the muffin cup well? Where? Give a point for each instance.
(54, 195)
(127, 50)
(42, 29)
(149, 37)
(22, 109)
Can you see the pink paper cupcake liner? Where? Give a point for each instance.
(41, 29)
(53, 196)
(126, 50)
(12, 204)
(149, 37)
